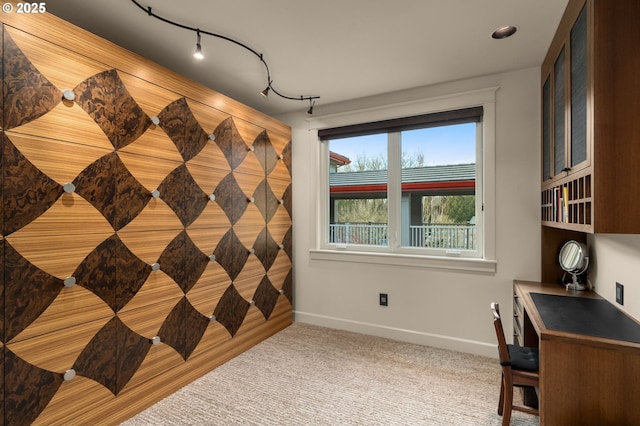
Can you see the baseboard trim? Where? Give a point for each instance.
(403, 335)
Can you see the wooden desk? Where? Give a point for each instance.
(585, 379)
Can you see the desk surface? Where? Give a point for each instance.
(592, 317)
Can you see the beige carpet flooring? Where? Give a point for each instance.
(309, 375)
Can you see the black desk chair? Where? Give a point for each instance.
(519, 368)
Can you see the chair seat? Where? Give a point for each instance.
(523, 358)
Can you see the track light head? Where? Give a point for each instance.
(311, 104)
(265, 92)
(198, 52)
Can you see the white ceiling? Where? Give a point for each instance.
(336, 49)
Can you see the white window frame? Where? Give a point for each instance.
(393, 254)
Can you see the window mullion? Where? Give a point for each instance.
(394, 189)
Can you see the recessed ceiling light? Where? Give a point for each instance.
(504, 32)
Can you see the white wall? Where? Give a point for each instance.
(616, 258)
(427, 306)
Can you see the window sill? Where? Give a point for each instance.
(395, 259)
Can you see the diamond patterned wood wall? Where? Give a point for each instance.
(146, 236)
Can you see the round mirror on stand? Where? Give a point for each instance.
(574, 259)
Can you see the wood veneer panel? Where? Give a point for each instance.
(251, 168)
(70, 217)
(249, 226)
(279, 224)
(62, 67)
(149, 171)
(157, 216)
(152, 301)
(279, 270)
(60, 160)
(208, 118)
(64, 407)
(73, 305)
(146, 311)
(57, 31)
(154, 143)
(589, 405)
(249, 279)
(206, 293)
(159, 360)
(151, 97)
(207, 177)
(57, 350)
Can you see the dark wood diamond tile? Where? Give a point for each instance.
(97, 361)
(27, 93)
(286, 157)
(231, 310)
(230, 198)
(2, 241)
(287, 197)
(273, 248)
(108, 102)
(183, 328)
(172, 331)
(230, 142)
(97, 272)
(231, 254)
(266, 297)
(2, 387)
(28, 192)
(131, 274)
(28, 292)
(185, 197)
(266, 249)
(287, 242)
(266, 201)
(96, 185)
(183, 261)
(265, 152)
(179, 123)
(287, 286)
(132, 197)
(131, 351)
(28, 389)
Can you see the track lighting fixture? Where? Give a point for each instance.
(199, 55)
(198, 52)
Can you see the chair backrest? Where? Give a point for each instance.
(503, 350)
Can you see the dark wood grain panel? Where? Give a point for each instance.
(27, 192)
(28, 389)
(231, 310)
(53, 60)
(183, 261)
(28, 291)
(27, 93)
(105, 98)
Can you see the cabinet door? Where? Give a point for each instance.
(579, 147)
(559, 124)
(546, 129)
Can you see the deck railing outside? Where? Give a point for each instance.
(459, 236)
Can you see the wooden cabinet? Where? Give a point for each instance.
(590, 106)
(589, 355)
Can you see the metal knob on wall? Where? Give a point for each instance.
(69, 188)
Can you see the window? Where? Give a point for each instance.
(390, 192)
(406, 185)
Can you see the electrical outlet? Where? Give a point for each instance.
(620, 293)
(384, 299)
